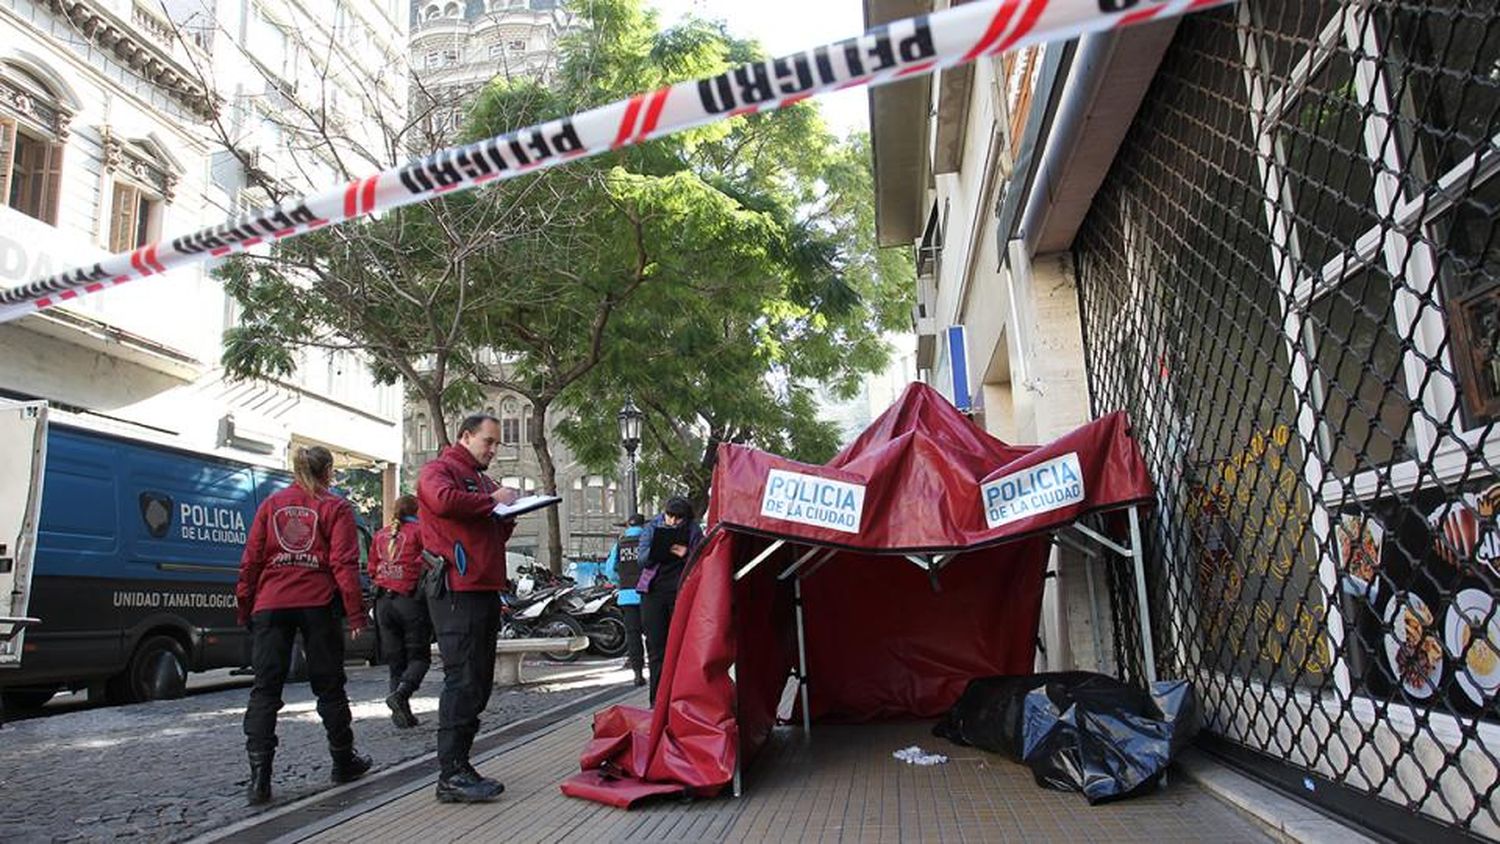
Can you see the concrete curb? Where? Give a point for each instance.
(1285, 819)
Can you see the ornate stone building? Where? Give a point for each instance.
(459, 45)
(107, 144)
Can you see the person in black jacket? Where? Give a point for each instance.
(623, 568)
(665, 545)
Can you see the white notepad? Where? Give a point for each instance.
(524, 505)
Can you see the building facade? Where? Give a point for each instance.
(106, 144)
(458, 46)
(1269, 233)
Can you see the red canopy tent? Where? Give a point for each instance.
(883, 581)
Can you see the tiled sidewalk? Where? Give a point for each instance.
(844, 786)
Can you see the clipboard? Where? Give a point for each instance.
(662, 540)
(524, 505)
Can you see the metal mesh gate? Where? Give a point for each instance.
(1291, 280)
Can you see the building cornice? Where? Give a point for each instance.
(137, 52)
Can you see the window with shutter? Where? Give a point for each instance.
(51, 182)
(31, 164)
(122, 218)
(133, 218)
(33, 127)
(7, 152)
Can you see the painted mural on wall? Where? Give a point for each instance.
(1260, 606)
(1421, 573)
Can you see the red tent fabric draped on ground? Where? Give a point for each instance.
(887, 636)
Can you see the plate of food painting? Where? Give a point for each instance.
(1472, 633)
(1412, 651)
(1360, 538)
(1455, 530)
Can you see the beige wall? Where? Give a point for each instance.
(1053, 396)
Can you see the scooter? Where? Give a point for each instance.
(603, 622)
(543, 612)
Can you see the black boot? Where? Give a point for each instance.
(399, 702)
(348, 766)
(258, 789)
(640, 677)
(464, 785)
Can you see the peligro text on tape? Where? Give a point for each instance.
(886, 53)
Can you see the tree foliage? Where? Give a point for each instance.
(715, 275)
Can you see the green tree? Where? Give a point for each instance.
(714, 275)
(734, 359)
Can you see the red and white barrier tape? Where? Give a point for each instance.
(884, 54)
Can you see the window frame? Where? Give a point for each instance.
(140, 196)
(512, 431)
(13, 128)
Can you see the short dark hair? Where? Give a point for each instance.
(635, 520)
(680, 507)
(472, 422)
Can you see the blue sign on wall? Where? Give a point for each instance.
(958, 366)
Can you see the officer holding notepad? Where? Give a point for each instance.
(465, 543)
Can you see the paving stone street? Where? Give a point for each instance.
(173, 770)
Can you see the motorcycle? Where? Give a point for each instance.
(603, 622)
(541, 606)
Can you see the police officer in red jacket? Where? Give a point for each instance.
(400, 614)
(455, 499)
(301, 560)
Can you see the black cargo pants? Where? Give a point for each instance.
(274, 632)
(467, 624)
(405, 637)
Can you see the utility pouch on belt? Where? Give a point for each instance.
(434, 580)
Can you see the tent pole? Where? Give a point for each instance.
(1088, 570)
(1138, 557)
(802, 662)
(792, 569)
(1101, 538)
(813, 569)
(760, 558)
(734, 677)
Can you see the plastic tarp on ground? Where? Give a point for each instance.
(885, 638)
(1078, 730)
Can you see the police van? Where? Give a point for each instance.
(123, 554)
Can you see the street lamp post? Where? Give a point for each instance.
(630, 436)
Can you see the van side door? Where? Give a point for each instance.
(23, 456)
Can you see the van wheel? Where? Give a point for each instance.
(156, 671)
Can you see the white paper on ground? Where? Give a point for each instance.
(916, 756)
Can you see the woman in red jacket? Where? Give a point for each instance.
(400, 614)
(302, 558)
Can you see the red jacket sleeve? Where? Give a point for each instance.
(343, 558)
(442, 494)
(251, 563)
